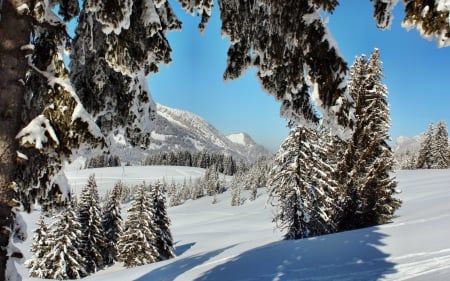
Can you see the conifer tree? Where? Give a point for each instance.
(39, 248)
(365, 170)
(236, 187)
(164, 240)
(426, 157)
(137, 245)
(63, 260)
(92, 239)
(112, 224)
(441, 149)
(301, 187)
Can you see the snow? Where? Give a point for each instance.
(220, 242)
(239, 138)
(35, 133)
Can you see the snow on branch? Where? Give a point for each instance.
(37, 132)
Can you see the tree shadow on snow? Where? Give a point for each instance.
(346, 256)
(179, 250)
(172, 270)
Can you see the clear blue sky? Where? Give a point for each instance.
(417, 75)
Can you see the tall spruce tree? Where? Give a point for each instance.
(92, 239)
(112, 224)
(365, 170)
(301, 187)
(137, 245)
(426, 156)
(63, 260)
(40, 248)
(441, 149)
(164, 240)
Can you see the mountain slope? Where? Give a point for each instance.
(182, 130)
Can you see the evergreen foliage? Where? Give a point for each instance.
(92, 239)
(137, 245)
(287, 42)
(426, 157)
(40, 248)
(164, 240)
(223, 163)
(364, 173)
(63, 260)
(434, 150)
(441, 148)
(301, 187)
(112, 224)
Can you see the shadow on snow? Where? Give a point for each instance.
(172, 270)
(351, 255)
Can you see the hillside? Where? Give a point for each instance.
(176, 130)
(220, 242)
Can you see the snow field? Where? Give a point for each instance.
(220, 242)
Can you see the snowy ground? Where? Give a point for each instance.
(220, 242)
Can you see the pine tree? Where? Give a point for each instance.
(112, 224)
(63, 260)
(441, 149)
(301, 188)
(39, 248)
(137, 245)
(92, 239)
(368, 161)
(426, 157)
(236, 189)
(164, 240)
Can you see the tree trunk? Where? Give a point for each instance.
(14, 33)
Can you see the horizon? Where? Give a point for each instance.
(193, 81)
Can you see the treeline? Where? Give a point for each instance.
(101, 161)
(434, 152)
(224, 164)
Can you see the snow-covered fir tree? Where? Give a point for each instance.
(112, 224)
(236, 187)
(301, 188)
(164, 240)
(92, 239)
(137, 245)
(39, 248)
(426, 157)
(440, 147)
(364, 173)
(63, 260)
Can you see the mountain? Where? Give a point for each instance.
(406, 148)
(179, 130)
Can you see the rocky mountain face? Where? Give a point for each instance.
(180, 130)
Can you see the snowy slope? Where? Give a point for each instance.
(182, 130)
(220, 242)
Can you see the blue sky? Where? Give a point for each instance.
(416, 74)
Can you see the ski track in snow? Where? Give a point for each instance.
(223, 243)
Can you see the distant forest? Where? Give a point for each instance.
(224, 164)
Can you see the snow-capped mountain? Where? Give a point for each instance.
(406, 149)
(177, 129)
